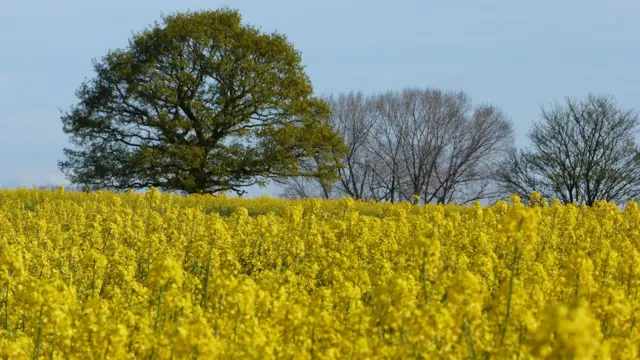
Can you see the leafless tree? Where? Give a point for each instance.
(387, 171)
(302, 188)
(581, 151)
(352, 118)
(432, 122)
(308, 186)
(471, 156)
(417, 142)
(445, 150)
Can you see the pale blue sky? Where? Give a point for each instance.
(515, 54)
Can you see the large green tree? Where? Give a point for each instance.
(198, 103)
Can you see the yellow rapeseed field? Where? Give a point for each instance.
(157, 276)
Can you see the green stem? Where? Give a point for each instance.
(6, 309)
(469, 338)
(93, 280)
(235, 326)
(205, 288)
(160, 291)
(53, 344)
(39, 335)
(106, 351)
(509, 300)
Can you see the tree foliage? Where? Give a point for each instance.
(582, 151)
(199, 103)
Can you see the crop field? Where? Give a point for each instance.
(158, 276)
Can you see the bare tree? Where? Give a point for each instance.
(472, 156)
(423, 143)
(581, 151)
(516, 175)
(303, 188)
(433, 120)
(351, 117)
(447, 149)
(387, 171)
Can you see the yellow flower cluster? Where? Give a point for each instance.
(157, 276)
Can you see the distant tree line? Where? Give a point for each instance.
(430, 146)
(201, 103)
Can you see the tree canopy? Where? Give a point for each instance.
(198, 103)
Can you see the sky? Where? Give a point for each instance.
(516, 55)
